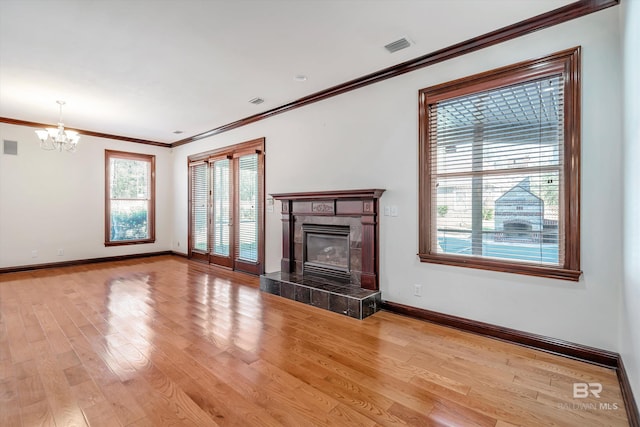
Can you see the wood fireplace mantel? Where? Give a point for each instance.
(361, 204)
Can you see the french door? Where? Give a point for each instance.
(226, 207)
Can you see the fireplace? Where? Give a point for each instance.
(343, 230)
(330, 248)
(326, 250)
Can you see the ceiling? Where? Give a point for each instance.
(146, 68)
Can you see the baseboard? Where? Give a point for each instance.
(539, 342)
(627, 395)
(180, 254)
(81, 262)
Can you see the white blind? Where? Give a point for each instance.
(221, 200)
(496, 161)
(199, 210)
(248, 208)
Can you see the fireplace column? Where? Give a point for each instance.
(368, 278)
(287, 264)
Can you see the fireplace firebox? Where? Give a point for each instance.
(326, 250)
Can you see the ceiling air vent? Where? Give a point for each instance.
(397, 45)
(256, 101)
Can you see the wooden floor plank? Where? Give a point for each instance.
(65, 408)
(167, 341)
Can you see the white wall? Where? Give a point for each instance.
(51, 200)
(630, 313)
(368, 139)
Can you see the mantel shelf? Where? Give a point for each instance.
(324, 195)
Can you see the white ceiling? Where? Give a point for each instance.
(145, 68)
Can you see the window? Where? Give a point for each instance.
(226, 225)
(130, 198)
(500, 169)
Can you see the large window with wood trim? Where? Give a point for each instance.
(226, 206)
(500, 169)
(129, 198)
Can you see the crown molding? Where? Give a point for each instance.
(549, 19)
(536, 23)
(83, 132)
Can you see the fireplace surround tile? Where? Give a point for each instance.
(287, 290)
(320, 298)
(338, 303)
(303, 294)
(271, 286)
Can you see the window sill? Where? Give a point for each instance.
(129, 242)
(505, 267)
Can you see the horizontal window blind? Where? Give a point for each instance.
(248, 208)
(199, 207)
(496, 173)
(221, 208)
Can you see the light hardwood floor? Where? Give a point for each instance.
(166, 341)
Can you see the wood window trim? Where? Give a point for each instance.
(254, 145)
(568, 62)
(108, 155)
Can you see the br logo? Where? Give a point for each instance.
(582, 390)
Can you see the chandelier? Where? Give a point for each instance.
(58, 138)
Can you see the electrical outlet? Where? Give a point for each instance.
(394, 210)
(417, 290)
(34, 254)
(387, 210)
(60, 252)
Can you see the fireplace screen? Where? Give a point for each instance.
(326, 250)
(329, 250)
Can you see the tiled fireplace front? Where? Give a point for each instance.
(330, 251)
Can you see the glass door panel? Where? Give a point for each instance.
(248, 208)
(221, 200)
(199, 207)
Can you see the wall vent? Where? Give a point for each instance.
(10, 148)
(256, 101)
(397, 45)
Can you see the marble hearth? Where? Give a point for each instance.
(322, 292)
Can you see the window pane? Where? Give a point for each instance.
(221, 206)
(199, 212)
(516, 217)
(129, 198)
(129, 220)
(506, 128)
(129, 179)
(248, 217)
(496, 170)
